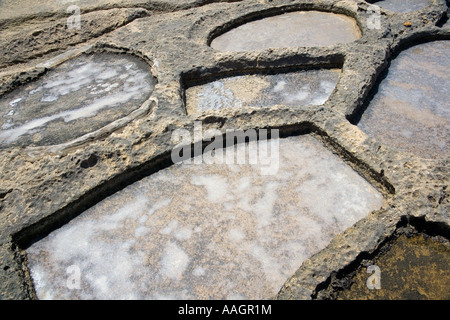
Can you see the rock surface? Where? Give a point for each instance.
(44, 187)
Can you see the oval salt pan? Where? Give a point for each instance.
(76, 98)
(294, 29)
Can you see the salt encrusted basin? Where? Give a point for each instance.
(403, 6)
(306, 87)
(294, 29)
(410, 110)
(75, 98)
(206, 231)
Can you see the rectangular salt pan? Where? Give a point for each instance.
(205, 231)
(301, 88)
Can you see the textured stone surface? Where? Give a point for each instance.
(44, 188)
(15, 283)
(22, 42)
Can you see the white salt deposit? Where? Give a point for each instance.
(216, 186)
(174, 262)
(206, 231)
(198, 272)
(402, 6)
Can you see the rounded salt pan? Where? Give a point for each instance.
(77, 97)
(295, 29)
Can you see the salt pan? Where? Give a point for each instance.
(298, 88)
(294, 29)
(206, 231)
(410, 111)
(77, 97)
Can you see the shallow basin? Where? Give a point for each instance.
(403, 6)
(410, 110)
(77, 97)
(206, 231)
(307, 87)
(294, 29)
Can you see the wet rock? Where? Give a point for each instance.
(413, 268)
